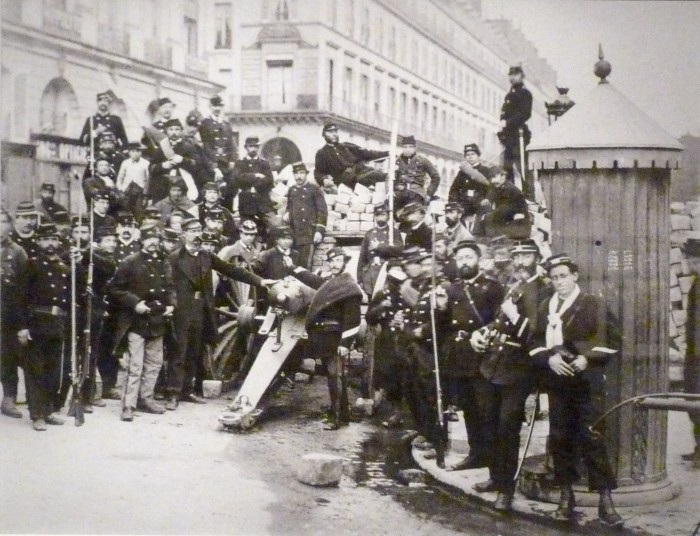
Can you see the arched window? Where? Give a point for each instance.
(283, 147)
(59, 108)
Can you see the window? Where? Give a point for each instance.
(279, 85)
(191, 32)
(364, 91)
(331, 73)
(392, 43)
(58, 105)
(414, 111)
(424, 117)
(364, 27)
(402, 107)
(392, 102)
(434, 123)
(380, 36)
(347, 85)
(222, 25)
(282, 11)
(377, 96)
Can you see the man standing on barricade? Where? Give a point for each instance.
(516, 110)
(219, 145)
(102, 122)
(507, 367)
(417, 180)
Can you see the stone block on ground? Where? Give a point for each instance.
(408, 476)
(380, 187)
(378, 198)
(308, 365)
(353, 227)
(320, 469)
(695, 223)
(362, 190)
(302, 377)
(331, 199)
(677, 207)
(369, 209)
(345, 190)
(353, 216)
(685, 283)
(678, 237)
(366, 225)
(672, 331)
(674, 356)
(357, 206)
(673, 278)
(367, 217)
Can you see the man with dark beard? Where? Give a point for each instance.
(103, 122)
(508, 369)
(375, 249)
(454, 231)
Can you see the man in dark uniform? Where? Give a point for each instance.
(212, 201)
(414, 230)
(332, 322)
(195, 319)
(102, 210)
(375, 249)
(470, 304)
(252, 181)
(103, 182)
(508, 369)
(219, 142)
(509, 213)
(272, 263)
(46, 205)
(107, 150)
(144, 293)
(516, 110)
(127, 237)
(13, 262)
(691, 376)
(417, 180)
(102, 122)
(214, 223)
(45, 316)
(307, 213)
(574, 338)
(345, 163)
(471, 185)
(24, 232)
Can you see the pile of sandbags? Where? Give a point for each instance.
(351, 211)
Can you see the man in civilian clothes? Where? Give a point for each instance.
(24, 232)
(246, 249)
(45, 293)
(307, 213)
(144, 293)
(13, 262)
(102, 122)
(574, 338)
(132, 179)
(332, 322)
(454, 231)
(163, 111)
(195, 316)
(219, 145)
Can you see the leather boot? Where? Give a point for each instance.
(504, 501)
(9, 409)
(606, 511)
(567, 502)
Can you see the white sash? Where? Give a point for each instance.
(555, 335)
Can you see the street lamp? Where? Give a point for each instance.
(559, 106)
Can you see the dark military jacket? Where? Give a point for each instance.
(229, 230)
(270, 263)
(253, 192)
(13, 262)
(124, 250)
(516, 110)
(115, 160)
(47, 208)
(102, 221)
(28, 243)
(219, 143)
(507, 201)
(421, 236)
(419, 174)
(308, 212)
(113, 123)
(336, 160)
(468, 192)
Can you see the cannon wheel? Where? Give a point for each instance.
(236, 334)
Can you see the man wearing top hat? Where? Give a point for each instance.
(691, 376)
(127, 236)
(307, 214)
(44, 319)
(46, 205)
(218, 140)
(102, 122)
(471, 184)
(345, 163)
(332, 323)
(417, 180)
(573, 340)
(252, 182)
(516, 110)
(24, 232)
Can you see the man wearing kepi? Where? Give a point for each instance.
(691, 374)
(574, 338)
(508, 369)
(417, 180)
(144, 293)
(516, 110)
(307, 214)
(195, 316)
(332, 323)
(46, 294)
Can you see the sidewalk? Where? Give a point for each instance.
(677, 517)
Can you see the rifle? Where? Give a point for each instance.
(521, 141)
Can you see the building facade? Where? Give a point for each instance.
(433, 66)
(58, 54)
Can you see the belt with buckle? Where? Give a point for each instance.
(330, 324)
(197, 295)
(51, 310)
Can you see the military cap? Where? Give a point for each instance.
(329, 126)
(176, 181)
(498, 170)
(407, 140)
(413, 255)
(454, 206)
(216, 100)
(126, 218)
(80, 221)
(527, 245)
(47, 230)
(410, 208)
(105, 230)
(102, 194)
(104, 95)
(249, 227)
(252, 141)
(149, 231)
(381, 208)
(170, 234)
(337, 252)
(26, 208)
(395, 272)
(282, 231)
(208, 186)
(106, 136)
(190, 221)
(561, 259)
(299, 166)
(692, 247)
(136, 146)
(48, 187)
(193, 120)
(174, 122)
(440, 237)
(151, 212)
(61, 217)
(471, 244)
(473, 147)
(210, 238)
(163, 101)
(215, 213)
(515, 69)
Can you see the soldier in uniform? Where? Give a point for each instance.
(252, 181)
(102, 122)
(246, 249)
(691, 376)
(416, 177)
(102, 210)
(470, 304)
(345, 163)
(46, 206)
(414, 230)
(127, 237)
(332, 322)
(574, 338)
(13, 262)
(212, 201)
(106, 150)
(194, 317)
(144, 293)
(45, 315)
(272, 263)
(516, 110)
(170, 240)
(219, 144)
(24, 232)
(307, 214)
(214, 223)
(454, 230)
(104, 182)
(508, 369)
(211, 242)
(509, 213)
(471, 185)
(62, 220)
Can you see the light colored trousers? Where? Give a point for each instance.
(144, 362)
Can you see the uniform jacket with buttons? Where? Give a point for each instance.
(270, 263)
(27, 243)
(229, 229)
(369, 256)
(516, 110)
(219, 143)
(308, 212)
(47, 208)
(337, 159)
(13, 263)
(468, 192)
(421, 235)
(112, 123)
(253, 192)
(419, 173)
(124, 250)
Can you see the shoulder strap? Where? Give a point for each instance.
(473, 306)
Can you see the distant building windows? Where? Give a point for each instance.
(380, 36)
(402, 107)
(282, 10)
(414, 54)
(331, 88)
(414, 112)
(222, 23)
(347, 85)
(191, 37)
(364, 27)
(377, 104)
(58, 104)
(392, 43)
(392, 102)
(279, 85)
(364, 91)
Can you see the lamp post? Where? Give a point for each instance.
(559, 106)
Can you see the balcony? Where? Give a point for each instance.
(58, 21)
(112, 39)
(196, 66)
(158, 54)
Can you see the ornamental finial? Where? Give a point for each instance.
(602, 68)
